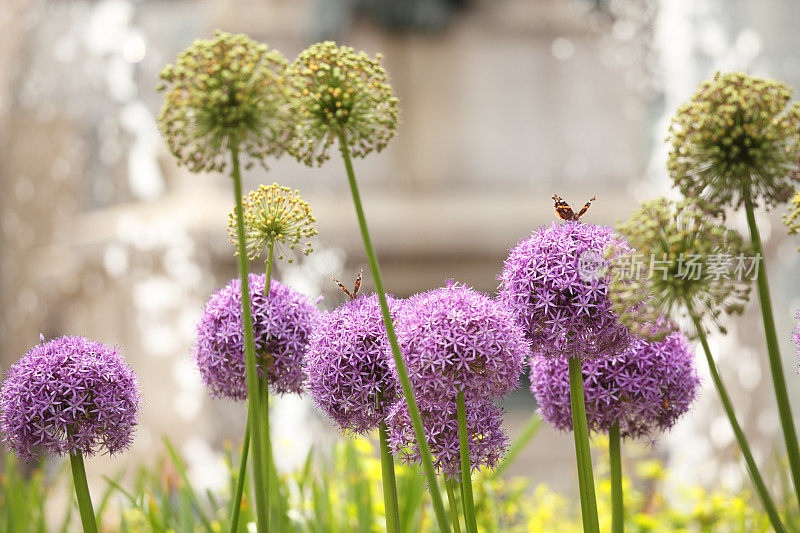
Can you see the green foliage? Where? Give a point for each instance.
(339, 490)
(736, 142)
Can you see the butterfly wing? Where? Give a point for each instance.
(585, 207)
(358, 283)
(563, 210)
(344, 289)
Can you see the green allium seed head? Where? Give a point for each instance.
(222, 94)
(277, 215)
(336, 90)
(736, 139)
(792, 218)
(685, 258)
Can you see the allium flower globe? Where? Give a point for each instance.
(455, 339)
(69, 395)
(792, 218)
(338, 91)
(646, 389)
(486, 438)
(736, 141)
(555, 284)
(691, 259)
(282, 324)
(796, 334)
(223, 94)
(347, 367)
(277, 215)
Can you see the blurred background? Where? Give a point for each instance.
(504, 103)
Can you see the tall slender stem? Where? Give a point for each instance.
(389, 483)
(82, 493)
(451, 498)
(268, 275)
(752, 468)
(527, 433)
(580, 430)
(253, 389)
(773, 351)
(237, 498)
(266, 443)
(617, 506)
(466, 466)
(400, 365)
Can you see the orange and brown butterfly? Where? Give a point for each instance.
(565, 212)
(356, 287)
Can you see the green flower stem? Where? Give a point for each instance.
(389, 483)
(755, 475)
(451, 497)
(263, 387)
(270, 257)
(402, 372)
(253, 389)
(466, 468)
(237, 498)
(528, 432)
(617, 507)
(775, 364)
(580, 429)
(82, 493)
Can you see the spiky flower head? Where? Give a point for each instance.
(792, 218)
(347, 368)
(69, 395)
(646, 389)
(338, 92)
(685, 258)
(485, 436)
(736, 139)
(556, 285)
(455, 339)
(282, 324)
(223, 94)
(277, 215)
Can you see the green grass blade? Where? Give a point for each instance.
(528, 432)
(181, 467)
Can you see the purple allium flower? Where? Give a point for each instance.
(69, 395)
(646, 389)
(348, 371)
(456, 339)
(796, 334)
(555, 283)
(485, 435)
(282, 325)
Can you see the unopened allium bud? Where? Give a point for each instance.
(337, 91)
(69, 395)
(736, 139)
(691, 260)
(274, 214)
(222, 94)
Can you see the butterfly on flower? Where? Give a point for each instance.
(356, 287)
(565, 212)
